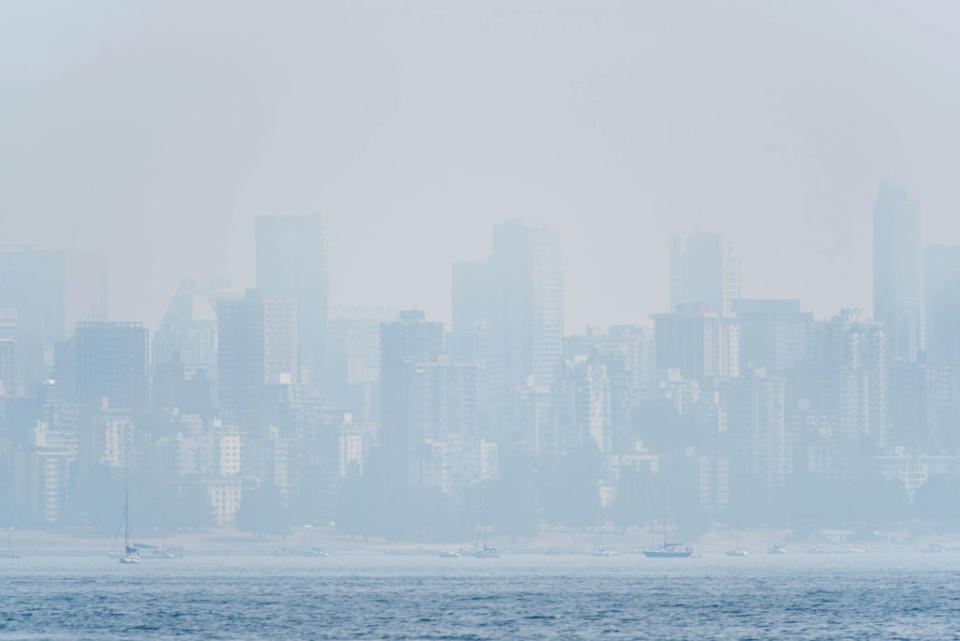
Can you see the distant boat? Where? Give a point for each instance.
(776, 548)
(449, 554)
(737, 550)
(483, 550)
(933, 548)
(314, 551)
(130, 554)
(667, 550)
(8, 552)
(305, 549)
(602, 551)
(817, 550)
(850, 550)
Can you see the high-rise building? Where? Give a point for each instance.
(257, 346)
(473, 296)
(704, 270)
(923, 406)
(52, 291)
(111, 363)
(775, 335)
(448, 391)
(8, 366)
(634, 347)
(306, 434)
(188, 331)
(353, 360)
(9, 323)
(897, 272)
(291, 264)
(941, 293)
(850, 356)
(9, 328)
(448, 416)
(697, 342)
(580, 408)
(184, 354)
(754, 407)
(508, 313)
(547, 332)
(404, 345)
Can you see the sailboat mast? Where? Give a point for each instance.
(483, 527)
(663, 520)
(126, 516)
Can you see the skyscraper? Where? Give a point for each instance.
(698, 342)
(291, 264)
(111, 363)
(754, 407)
(52, 291)
(850, 355)
(257, 346)
(526, 325)
(404, 344)
(941, 292)
(508, 313)
(448, 418)
(184, 355)
(188, 332)
(581, 410)
(897, 272)
(473, 297)
(775, 335)
(8, 349)
(353, 360)
(704, 270)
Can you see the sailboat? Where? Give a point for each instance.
(668, 550)
(130, 553)
(737, 551)
(305, 549)
(600, 550)
(8, 552)
(483, 551)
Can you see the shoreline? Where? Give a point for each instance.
(231, 542)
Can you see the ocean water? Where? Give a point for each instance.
(376, 596)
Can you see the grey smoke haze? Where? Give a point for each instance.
(159, 130)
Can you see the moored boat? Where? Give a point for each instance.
(130, 553)
(669, 551)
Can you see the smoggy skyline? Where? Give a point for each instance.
(158, 133)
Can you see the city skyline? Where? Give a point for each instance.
(270, 384)
(731, 290)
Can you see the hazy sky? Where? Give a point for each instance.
(158, 130)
